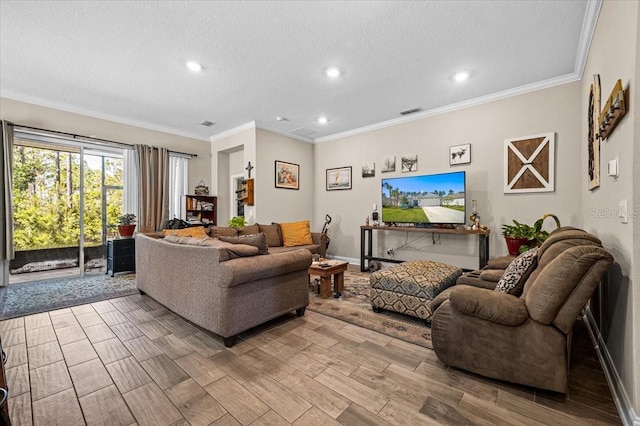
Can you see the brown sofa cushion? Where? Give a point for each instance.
(219, 231)
(492, 274)
(226, 251)
(248, 230)
(257, 240)
(272, 232)
(489, 305)
(499, 262)
(296, 233)
(518, 272)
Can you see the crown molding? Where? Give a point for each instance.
(284, 133)
(586, 35)
(233, 131)
(8, 94)
(545, 84)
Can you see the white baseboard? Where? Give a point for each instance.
(620, 397)
(350, 260)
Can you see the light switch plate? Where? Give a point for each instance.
(612, 168)
(622, 211)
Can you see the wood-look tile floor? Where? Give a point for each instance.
(129, 361)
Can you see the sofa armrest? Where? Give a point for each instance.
(500, 308)
(321, 240)
(247, 269)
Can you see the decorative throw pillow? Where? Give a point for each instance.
(196, 232)
(272, 232)
(220, 231)
(256, 240)
(517, 272)
(296, 234)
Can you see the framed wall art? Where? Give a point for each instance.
(593, 148)
(529, 163)
(388, 165)
(460, 154)
(287, 175)
(339, 178)
(369, 169)
(409, 163)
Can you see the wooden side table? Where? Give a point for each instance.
(121, 255)
(335, 268)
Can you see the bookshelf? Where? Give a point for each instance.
(201, 209)
(246, 193)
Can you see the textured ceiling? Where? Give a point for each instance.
(124, 60)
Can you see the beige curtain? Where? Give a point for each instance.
(6, 203)
(153, 187)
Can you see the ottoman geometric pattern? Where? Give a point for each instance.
(408, 288)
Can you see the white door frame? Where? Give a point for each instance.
(234, 200)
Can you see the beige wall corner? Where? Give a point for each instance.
(278, 204)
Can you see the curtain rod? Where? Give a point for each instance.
(118, 144)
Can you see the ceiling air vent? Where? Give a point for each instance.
(207, 123)
(411, 111)
(302, 131)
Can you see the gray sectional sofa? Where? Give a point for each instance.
(222, 287)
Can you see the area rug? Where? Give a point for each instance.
(354, 307)
(17, 300)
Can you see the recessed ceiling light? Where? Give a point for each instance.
(333, 72)
(461, 76)
(194, 66)
(281, 118)
(323, 120)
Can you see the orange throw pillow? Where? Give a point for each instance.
(195, 232)
(296, 234)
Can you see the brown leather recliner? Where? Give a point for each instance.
(524, 339)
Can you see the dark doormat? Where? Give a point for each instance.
(17, 300)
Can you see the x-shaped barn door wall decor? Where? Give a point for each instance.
(529, 163)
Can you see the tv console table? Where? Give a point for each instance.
(366, 239)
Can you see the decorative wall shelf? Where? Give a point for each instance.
(613, 111)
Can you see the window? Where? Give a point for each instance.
(178, 186)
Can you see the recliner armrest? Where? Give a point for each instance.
(490, 305)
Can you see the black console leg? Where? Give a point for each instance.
(376, 309)
(229, 341)
(300, 312)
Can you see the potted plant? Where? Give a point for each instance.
(126, 224)
(520, 236)
(237, 222)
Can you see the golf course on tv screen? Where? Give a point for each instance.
(434, 199)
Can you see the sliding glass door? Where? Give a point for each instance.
(65, 197)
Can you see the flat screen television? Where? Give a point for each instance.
(437, 199)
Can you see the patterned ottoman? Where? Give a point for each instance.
(409, 287)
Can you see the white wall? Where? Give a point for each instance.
(485, 127)
(278, 204)
(51, 119)
(614, 55)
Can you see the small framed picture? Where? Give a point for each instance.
(287, 175)
(460, 154)
(389, 165)
(409, 163)
(339, 178)
(369, 169)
